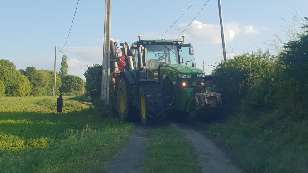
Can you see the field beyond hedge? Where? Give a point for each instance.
(33, 138)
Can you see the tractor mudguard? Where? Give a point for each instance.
(129, 77)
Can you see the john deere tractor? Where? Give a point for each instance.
(151, 77)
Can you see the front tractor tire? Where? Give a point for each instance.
(143, 110)
(122, 105)
(150, 106)
(168, 93)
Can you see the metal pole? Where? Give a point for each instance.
(106, 59)
(222, 32)
(55, 74)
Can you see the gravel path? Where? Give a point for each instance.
(211, 158)
(131, 157)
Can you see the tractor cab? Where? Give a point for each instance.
(150, 55)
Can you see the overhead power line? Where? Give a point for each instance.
(178, 19)
(198, 14)
(70, 29)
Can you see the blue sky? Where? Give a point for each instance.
(30, 29)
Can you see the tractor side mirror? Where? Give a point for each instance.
(191, 50)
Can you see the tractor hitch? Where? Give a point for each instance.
(211, 99)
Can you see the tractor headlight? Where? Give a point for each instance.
(184, 84)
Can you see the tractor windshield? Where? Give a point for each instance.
(186, 55)
(162, 53)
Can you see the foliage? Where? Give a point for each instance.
(32, 81)
(41, 81)
(64, 66)
(72, 85)
(2, 88)
(250, 76)
(294, 74)
(7, 64)
(15, 83)
(271, 139)
(23, 88)
(93, 81)
(35, 139)
(270, 143)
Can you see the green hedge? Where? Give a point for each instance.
(2, 88)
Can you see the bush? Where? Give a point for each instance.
(293, 76)
(15, 83)
(248, 76)
(2, 88)
(41, 81)
(93, 81)
(72, 85)
(23, 87)
(271, 139)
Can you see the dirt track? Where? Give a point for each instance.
(130, 159)
(211, 158)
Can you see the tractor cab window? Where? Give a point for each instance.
(186, 55)
(161, 54)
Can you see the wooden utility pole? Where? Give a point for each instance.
(55, 74)
(223, 42)
(106, 59)
(203, 66)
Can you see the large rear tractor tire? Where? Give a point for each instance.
(168, 93)
(122, 100)
(144, 109)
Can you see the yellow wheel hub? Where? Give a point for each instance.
(122, 99)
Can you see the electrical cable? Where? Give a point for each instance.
(69, 32)
(204, 5)
(177, 20)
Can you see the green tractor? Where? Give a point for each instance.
(151, 77)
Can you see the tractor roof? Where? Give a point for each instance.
(158, 42)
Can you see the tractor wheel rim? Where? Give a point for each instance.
(143, 108)
(122, 105)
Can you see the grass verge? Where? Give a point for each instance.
(265, 142)
(169, 152)
(33, 138)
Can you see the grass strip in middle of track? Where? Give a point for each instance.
(168, 151)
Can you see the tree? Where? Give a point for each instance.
(93, 81)
(23, 87)
(15, 83)
(41, 81)
(64, 66)
(7, 64)
(294, 59)
(248, 77)
(72, 85)
(2, 88)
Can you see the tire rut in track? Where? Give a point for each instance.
(211, 158)
(131, 158)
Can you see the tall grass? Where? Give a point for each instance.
(33, 138)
